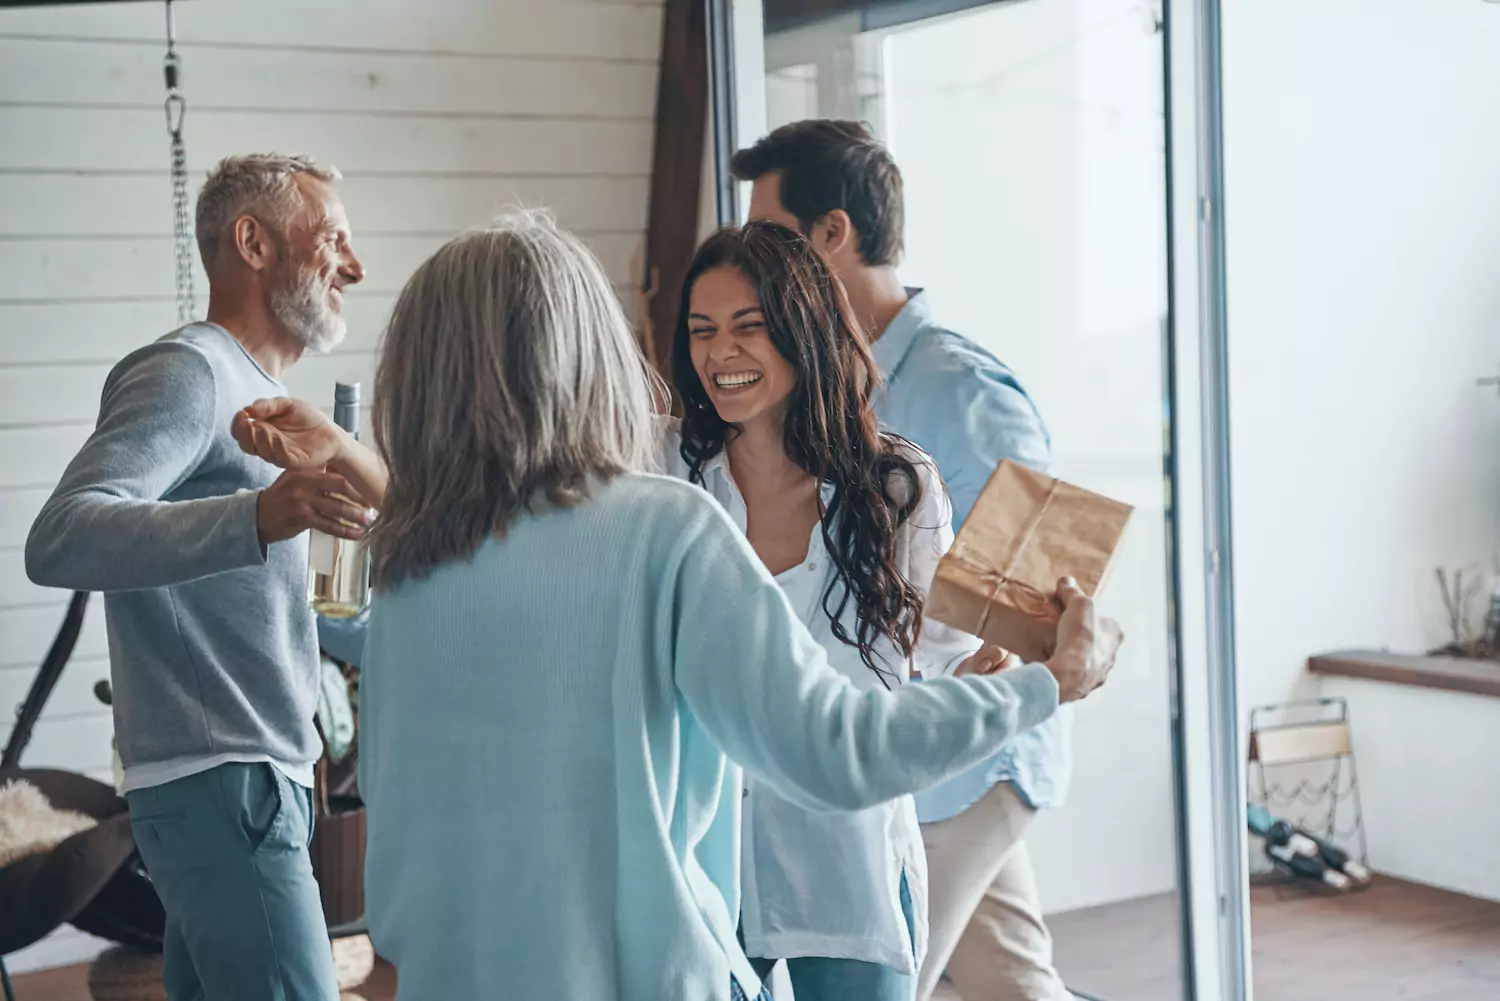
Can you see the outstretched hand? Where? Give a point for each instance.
(292, 434)
(1087, 644)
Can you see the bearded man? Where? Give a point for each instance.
(201, 553)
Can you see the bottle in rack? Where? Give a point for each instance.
(338, 572)
(1306, 867)
(1280, 833)
(1293, 841)
(1337, 858)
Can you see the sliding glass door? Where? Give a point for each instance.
(1036, 144)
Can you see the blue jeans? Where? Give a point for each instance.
(227, 850)
(815, 978)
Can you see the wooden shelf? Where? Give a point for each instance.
(1450, 674)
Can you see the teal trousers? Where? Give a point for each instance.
(227, 850)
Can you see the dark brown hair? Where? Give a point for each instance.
(826, 165)
(830, 428)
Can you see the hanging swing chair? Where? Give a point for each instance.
(94, 879)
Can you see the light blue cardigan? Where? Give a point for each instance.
(543, 732)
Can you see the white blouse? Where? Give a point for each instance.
(829, 884)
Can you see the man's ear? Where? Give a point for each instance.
(252, 243)
(834, 234)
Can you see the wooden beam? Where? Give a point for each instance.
(58, 3)
(787, 13)
(783, 14)
(676, 171)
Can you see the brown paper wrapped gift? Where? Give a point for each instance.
(1025, 532)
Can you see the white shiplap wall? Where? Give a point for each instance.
(438, 113)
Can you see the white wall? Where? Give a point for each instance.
(438, 114)
(1363, 243)
(1429, 783)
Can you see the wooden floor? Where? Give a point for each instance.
(1393, 942)
(1121, 952)
(72, 984)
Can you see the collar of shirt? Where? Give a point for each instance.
(719, 482)
(893, 345)
(718, 466)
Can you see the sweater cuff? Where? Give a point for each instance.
(1037, 688)
(244, 518)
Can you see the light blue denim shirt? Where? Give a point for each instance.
(344, 639)
(957, 402)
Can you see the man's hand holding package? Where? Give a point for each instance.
(1087, 643)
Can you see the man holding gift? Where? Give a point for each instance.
(835, 183)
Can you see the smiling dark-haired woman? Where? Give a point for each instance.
(776, 382)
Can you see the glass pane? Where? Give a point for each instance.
(1030, 139)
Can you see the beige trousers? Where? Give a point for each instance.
(985, 922)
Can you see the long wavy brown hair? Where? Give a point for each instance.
(830, 429)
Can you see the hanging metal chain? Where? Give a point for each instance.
(182, 223)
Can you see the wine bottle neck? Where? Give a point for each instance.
(346, 416)
(346, 407)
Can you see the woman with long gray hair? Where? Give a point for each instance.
(569, 657)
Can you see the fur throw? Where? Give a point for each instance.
(29, 824)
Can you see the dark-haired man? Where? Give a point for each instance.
(838, 185)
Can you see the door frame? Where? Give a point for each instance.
(1212, 769)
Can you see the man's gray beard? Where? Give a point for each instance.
(301, 306)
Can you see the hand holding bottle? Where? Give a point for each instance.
(309, 499)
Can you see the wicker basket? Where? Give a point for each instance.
(338, 852)
(123, 974)
(353, 960)
(338, 861)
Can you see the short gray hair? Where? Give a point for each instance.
(258, 184)
(508, 378)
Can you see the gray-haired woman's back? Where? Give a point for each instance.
(543, 728)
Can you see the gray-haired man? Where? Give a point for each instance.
(201, 553)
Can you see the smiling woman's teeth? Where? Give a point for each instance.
(736, 380)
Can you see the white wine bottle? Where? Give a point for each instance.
(1337, 858)
(338, 571)
(1306, 867)
(1282, 834)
